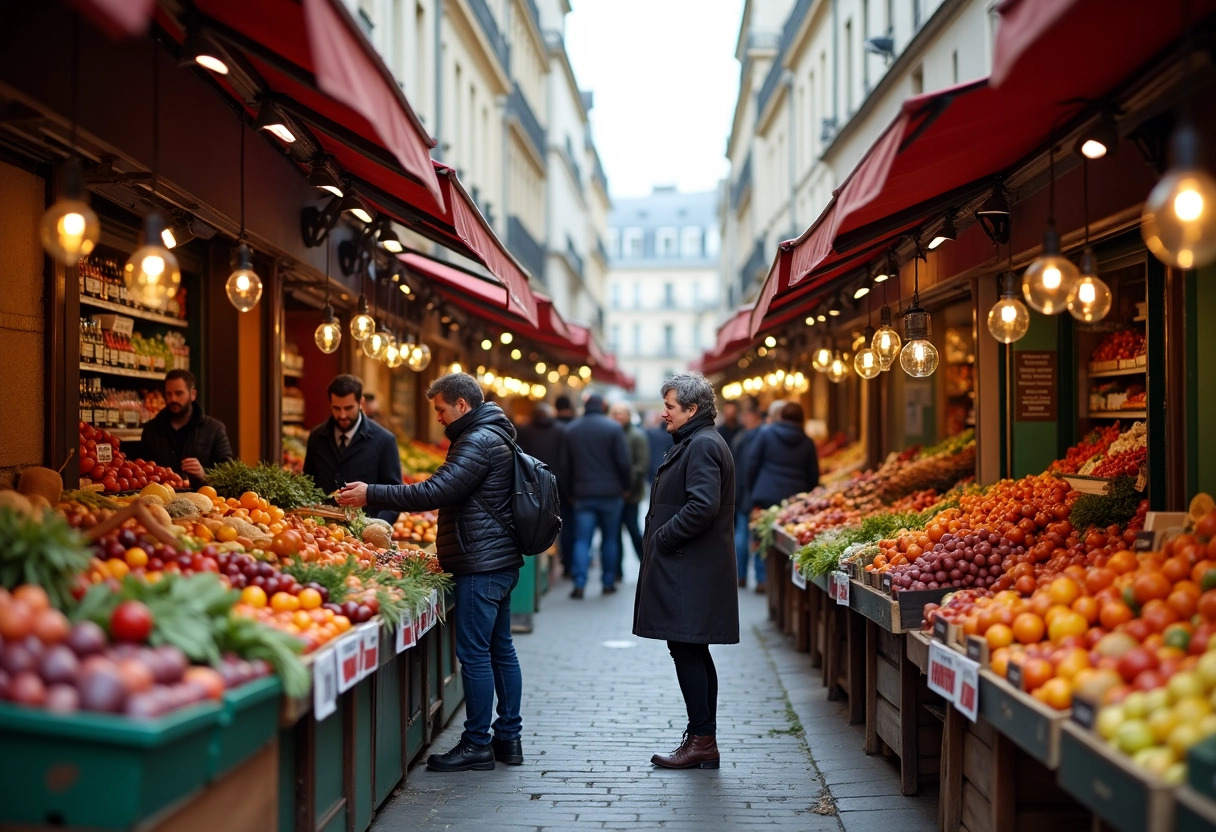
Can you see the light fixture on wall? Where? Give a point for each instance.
(1099, 139)
(244, 287)
(197, 50)
(886, 343)
(388, 237)
(887, 269)
(1049, 279)
(321, 176)
(994, 216)
(271, 119)
(69, 229)
(946, 233)
(918, 357)
(328, 334)
(151, 273)
(1090, 298)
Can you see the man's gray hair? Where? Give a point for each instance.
(455, 386)
(774, 409)
(692, 388)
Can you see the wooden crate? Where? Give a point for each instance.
(1033, 726)
(797, 616)
(816, 612)
(1195, 812)
(778, 582)
(897, 722)
(1106, 782)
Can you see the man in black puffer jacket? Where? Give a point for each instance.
(480, 554)
(783, 461)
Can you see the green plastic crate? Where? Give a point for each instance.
(99, 770)
(248, 721)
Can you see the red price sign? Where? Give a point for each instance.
(350, 661)
(324, 685)
(967, 699)
(371, 648)
(406, 637)
(943, 670)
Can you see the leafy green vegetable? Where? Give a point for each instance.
(823, 554)
(1114, 508)
(278, 486)
(42, 550)
(251, 639)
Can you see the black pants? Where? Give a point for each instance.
(629, 523)
(699, 684)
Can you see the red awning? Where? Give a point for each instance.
(946, 145)
(118, 18)
(733, 336)
(486, 298)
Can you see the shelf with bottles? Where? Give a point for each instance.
(121, 411)
(1114, 350)
(292, 361)
(292, 406)
(110, 344)
(102, 287)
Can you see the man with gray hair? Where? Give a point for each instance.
(686, 590)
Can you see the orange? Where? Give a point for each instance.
(208, 492)
(1183, 602)
(1067, 623)
(117, 568)
(249, 500)
(203, 533)
(1087, 607)
(342, 623)
(284, 601)
(1035, 673)
(999, 635)
(1072, 663)
(310, 599)
(1064, 590)
(226, 534)
(302, 619)
(1123, 561)
(999, 661)
(1028, 628)
(136, 557)
(1056, 693)
(254, 596)
(1113, 613)
(1150, 585)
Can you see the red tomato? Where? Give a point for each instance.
(131, 621)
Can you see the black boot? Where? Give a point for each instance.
(463, 757)
(510, 752)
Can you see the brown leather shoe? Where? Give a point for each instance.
(694, 752)
(760, 588)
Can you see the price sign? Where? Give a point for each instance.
(943, 670)
(977, 650)
(406, 637)
(424, 620)
(796, 576)
(842, 588)
(886, 582)
(941, 629)
(371, 648)
(1084, 712)
(350, 664)
(967, 695)
(324, 685)
(1145, 542)
(1013, 674)
(105, 453)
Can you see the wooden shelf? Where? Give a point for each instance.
(121, 371)
(1117, 414)
(293, 373)
(125, 434)
(96, 303)
(1130, 371)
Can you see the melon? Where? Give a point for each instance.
(155, 489)
(43, 482)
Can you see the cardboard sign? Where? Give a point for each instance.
(842, 588)
(967, 692)
(977, 650)
(941, 629)
(371, 648)
(943, 670)
(105, 453)
(796, 576)
(324, 685)
(406, 637)
(350, 663)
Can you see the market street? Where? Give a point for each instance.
(598, 702)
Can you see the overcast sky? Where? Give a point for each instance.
(665, 81)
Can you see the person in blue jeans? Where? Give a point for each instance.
(596, 469)
(739, 449)
(479, 473)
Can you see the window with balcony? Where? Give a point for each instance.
(669, 296)
(713, 243)
(616, 296)
(614, 242)
(666, 243)
(637, 295)
(669, 339)
(690, 242)
(637, 339)
(614, 338)
(633, 243)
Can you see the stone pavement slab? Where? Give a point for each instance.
(599, 701)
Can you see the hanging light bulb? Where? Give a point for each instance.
(1179, 220)
(363, 325)
(1008, 319)
(918, 357)
(151, 273)
(838, 369)
(329, 332)
(1048, 280)
(376, 343)
(392, 355)
(419, 358)
(69, 228)
(865, 362)
(822, 358)
(886, 343)
(1090, 299)
(244, 287)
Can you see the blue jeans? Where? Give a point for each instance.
(488, 665)
(743, 548)
(604, 512)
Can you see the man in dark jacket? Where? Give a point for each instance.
(659, 442)
(730, 426)
(350, 447)
(685, 594)
(597, 470)
(783, 461)
(473, 484)
(639, 458)
(181, 436)
(740, 449)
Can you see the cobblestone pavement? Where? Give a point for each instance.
(599, 701)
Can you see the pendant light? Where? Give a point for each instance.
(152, 274)
(1049, 279)
(375, 344)
(918, 357)
(1008, 319)
(329, 332)
(362, 325)
(822, 358)
(393, 355)
(420, 357)
(244, 287)
(886, 343)
(1090, 298)
(865, 362)
(838, 370)
(69, 229)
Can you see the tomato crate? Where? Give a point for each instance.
(248, 721)
(1033, 726)
(1109, 784)
(101, 771)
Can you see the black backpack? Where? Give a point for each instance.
(535, 507)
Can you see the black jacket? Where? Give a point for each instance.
(371, 457)
(740, 449)
(205, 439)
(660, 444)
(543, 438)
(479, 462)
(782, 462)
(686, 587)
(597, 461)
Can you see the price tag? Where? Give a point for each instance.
(424, 620)
(943, 670)
(105, 453)
(967, 694)
(1145, 542)
(941, 629)
(796, 575)
(977, 650)
(434, 608)
(130, 418)
(886, 582)
(1142, 476)
(350, 663)
(324, 685)
(371, 648)
(842, 588)
(406, 637)
(1084, 712)
(113, 415)
(1013, 674)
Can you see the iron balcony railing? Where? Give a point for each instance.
(518, 104)
(575, 259)
(525, 247)
(741, 185)
(485, 18)
(756, 263)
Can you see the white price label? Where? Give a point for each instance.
(406, 636)
(797, 577)
(842, 588)
(350, 661)
(371, 648)
(105, 453)
(943, 670)
(967, 693)
(324, 685)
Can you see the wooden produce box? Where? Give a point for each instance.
(1033, 726)
(897, 722)
(777, 584)
(1195, 812)
(1105, 781)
